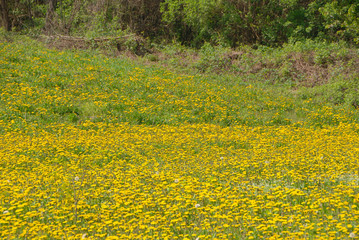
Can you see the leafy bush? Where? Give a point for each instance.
(341, 19)
(193, 23)
(213, 58)
(260, 22)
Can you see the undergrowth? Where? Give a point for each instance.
(324, 72)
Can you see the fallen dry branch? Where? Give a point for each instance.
(132, 42)
(83, 39)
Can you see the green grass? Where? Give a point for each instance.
(115, 148)
(85, 85)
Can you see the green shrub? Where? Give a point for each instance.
(193, 23)
(341, 19)
(213, 58)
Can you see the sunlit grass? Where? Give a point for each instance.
(96, 148)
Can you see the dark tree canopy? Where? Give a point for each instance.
(229, 22)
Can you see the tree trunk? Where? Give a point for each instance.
(50, 14)
(5, 16)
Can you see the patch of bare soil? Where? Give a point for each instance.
(306, 72)
(315, 74)
(301, 67)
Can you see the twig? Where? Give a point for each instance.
(82, 39)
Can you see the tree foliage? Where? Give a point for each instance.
(225, 22)
(269, 22)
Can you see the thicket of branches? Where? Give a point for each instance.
(229, 22)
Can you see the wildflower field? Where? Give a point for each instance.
(93, 147)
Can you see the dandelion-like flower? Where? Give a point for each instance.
(77, 178)
(352, 235)
(176, 180)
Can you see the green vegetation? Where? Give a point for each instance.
(179, 119)
(324, 72)
(97, 147)
(192, 23)
(259, 91)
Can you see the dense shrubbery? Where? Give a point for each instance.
(84, 17)
(225, 22)
(268, 22)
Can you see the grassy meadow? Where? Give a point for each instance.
(93, 147)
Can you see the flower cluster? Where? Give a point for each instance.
(193, 178)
